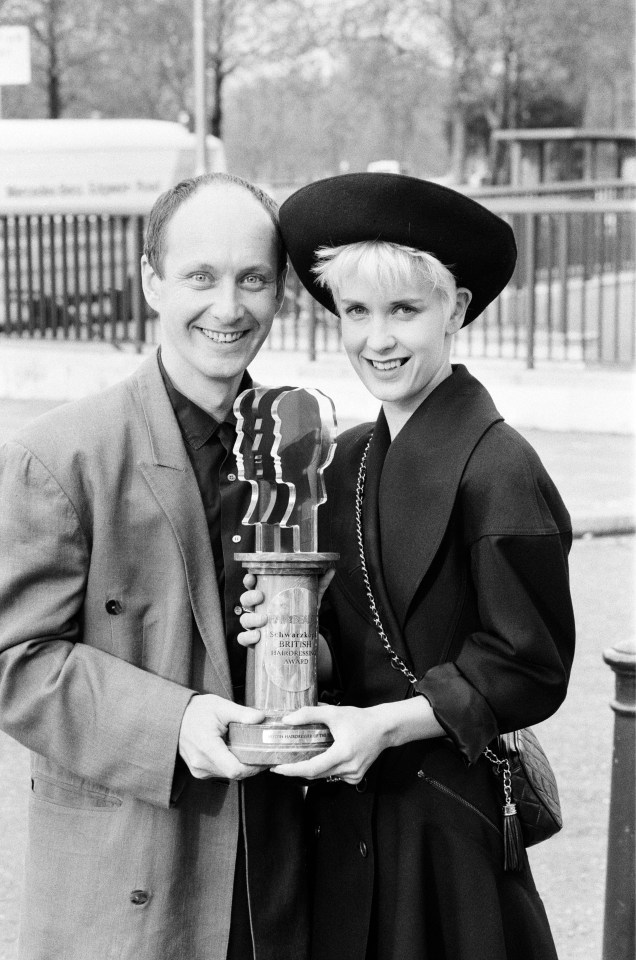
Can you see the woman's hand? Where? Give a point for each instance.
(360, 734)
(359, 737)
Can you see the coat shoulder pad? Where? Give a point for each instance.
(81, 434)
(506, 490)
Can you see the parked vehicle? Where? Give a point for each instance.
(94, 166)
(73, 200)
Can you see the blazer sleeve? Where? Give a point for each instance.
(93, 713)
(513, 670)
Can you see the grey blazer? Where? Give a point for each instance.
(107, 583)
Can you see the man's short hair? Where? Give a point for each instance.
(169, 202)
(382, 263)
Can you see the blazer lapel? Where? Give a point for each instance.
(172, 480)
(420, 478)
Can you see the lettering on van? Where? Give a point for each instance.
(44, 190)
(91, 189)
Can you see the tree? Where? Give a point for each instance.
(323, 117)
(609, 64)
(154, 40)
(245, 34)
(511, 63)
(120, 58)
(67, 37)
(147, 66)
(300, 87)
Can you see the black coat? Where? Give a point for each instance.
(466, 541)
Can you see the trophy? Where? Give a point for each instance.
(285, 440)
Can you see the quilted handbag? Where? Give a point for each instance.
(534, 786)
(532, 811)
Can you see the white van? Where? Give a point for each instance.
(94, 166)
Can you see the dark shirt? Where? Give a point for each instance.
(225, 501)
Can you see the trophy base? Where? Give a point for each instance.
(273, 742)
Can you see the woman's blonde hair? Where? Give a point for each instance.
(381, 263)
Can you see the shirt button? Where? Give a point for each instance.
(139, 897)
(317, 830)
(231, 476)
(113, 607)
(238, 610)
(364, 852)
(236, 538)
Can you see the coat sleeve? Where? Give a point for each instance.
(514, 669)
(96, 715)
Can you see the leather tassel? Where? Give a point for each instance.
(513, 838)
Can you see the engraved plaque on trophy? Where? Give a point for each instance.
(285, 440)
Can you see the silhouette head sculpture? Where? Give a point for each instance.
(285, 440)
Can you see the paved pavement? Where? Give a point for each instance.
(569, 869)
(554, 396)
(580, 419)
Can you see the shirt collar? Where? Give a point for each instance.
(196, 424)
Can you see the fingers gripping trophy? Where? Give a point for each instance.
(285, 440)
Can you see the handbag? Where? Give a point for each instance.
(531, 807)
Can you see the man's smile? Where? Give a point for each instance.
(218, 337)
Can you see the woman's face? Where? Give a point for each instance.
(398, 339)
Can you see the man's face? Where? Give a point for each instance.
(219, 291)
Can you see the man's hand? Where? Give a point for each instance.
(201, 743)
(252, 621)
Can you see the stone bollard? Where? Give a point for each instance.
(619, 927)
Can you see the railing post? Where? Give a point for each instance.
(619, 926)
(7, 278)
(564, 266)
(531, 288)
(297, 296)
(313, 323)
(138, 299)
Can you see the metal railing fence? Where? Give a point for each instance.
(572, 189)
(572, 295)
(72, 276)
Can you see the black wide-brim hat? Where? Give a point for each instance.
(477, 246)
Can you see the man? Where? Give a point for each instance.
(119, 667)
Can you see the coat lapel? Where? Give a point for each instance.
(172, 480)
(420, 478)
(342, 533)
(378, 451)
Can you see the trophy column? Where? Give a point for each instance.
(281, 667)
(285, 440)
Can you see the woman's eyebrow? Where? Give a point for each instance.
(349, 301)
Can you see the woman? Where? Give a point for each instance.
(461, 584)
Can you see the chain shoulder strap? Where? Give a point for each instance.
(500, 766)
(396, 662)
